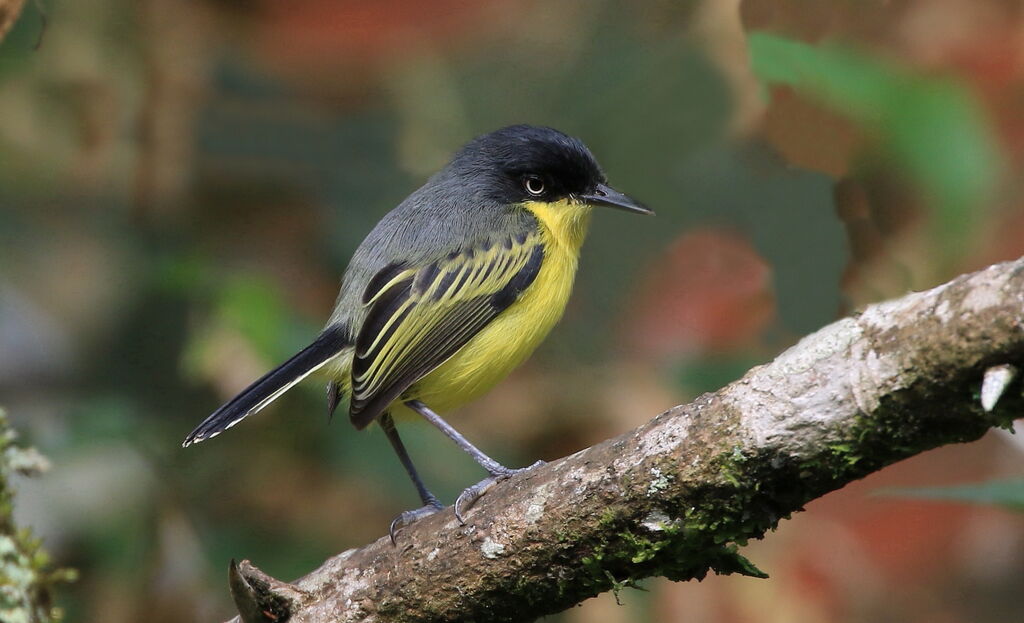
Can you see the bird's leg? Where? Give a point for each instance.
(430, 502)
(497, 471)
(493, 467)
(388, 424)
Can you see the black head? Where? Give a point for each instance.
(522, 163)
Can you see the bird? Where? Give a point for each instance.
(449, 292)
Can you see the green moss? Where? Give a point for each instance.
(837, 461)
(682, 548)
(609, 517)
(732, 466)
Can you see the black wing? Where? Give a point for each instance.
(418, 317)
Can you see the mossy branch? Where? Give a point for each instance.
(677, 496)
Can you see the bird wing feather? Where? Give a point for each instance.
(419, 316)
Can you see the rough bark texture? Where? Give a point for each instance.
(676, 496)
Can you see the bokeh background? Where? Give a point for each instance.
(182, 183)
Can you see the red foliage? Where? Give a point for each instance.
(710, 292)
(320, 32)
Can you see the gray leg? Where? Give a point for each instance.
(430, 502)
(388, 424)
(497, 471)
(493, 467)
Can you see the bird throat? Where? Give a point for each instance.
(565, 221)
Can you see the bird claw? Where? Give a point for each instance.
(411, 516)
(470, 495)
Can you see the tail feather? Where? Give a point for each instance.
(271, 385)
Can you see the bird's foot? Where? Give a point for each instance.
(409, 517)
(470, 495)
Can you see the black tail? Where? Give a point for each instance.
(271, 385)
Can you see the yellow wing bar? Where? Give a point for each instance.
(420, 316)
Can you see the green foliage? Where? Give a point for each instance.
(254, 308)
(1008, 494)
(26, 576)
(19, 43)
(931, 127)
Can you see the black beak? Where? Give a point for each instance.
(605, 195)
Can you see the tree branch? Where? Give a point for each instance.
(676, 496)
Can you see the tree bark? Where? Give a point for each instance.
(677, 496)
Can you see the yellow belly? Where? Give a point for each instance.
(511, 337)
(507, 341)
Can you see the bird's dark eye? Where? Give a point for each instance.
(534, 185)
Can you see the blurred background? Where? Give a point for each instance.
(183, 182)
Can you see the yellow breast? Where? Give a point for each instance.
(511, 337)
